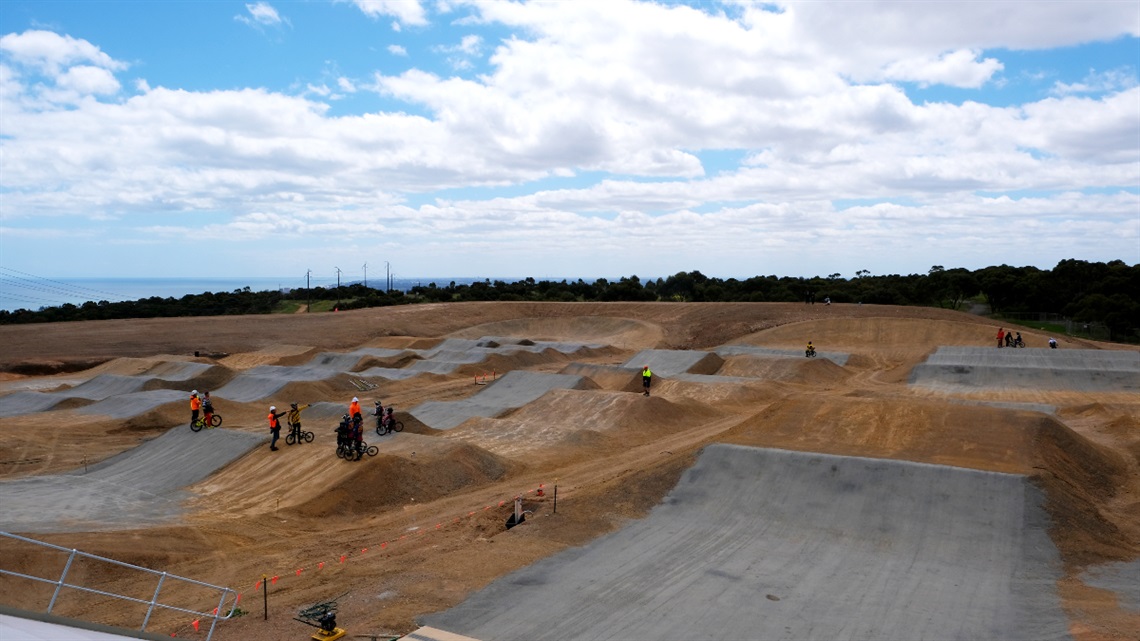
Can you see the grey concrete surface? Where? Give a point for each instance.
(95, 389)
(135, 403)
(1121, 578)
(513, 390)
(667, 362)
(768, 544)
(971, 368)
(142, 486)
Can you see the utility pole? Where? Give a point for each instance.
(337, 308)
(366, 274)
(308, 292)
(388, 272)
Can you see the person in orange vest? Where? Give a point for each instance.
(274, 426)
(195, 405)
(354, 409)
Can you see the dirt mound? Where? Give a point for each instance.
(608, 377)
(506, 362)
(906, 334)
(388, 481)
(559, 416)
(211, 379)
(392, 362)
(624, 333)
(911, 429)
(269, 355)
(51, 367)
(793, 370)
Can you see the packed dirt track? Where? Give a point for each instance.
(910, 481)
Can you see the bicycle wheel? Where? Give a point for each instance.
(197, 425)
(291, 439)
(216, 420)
(379, 430)
(397, 426)
(308, 436)
(339, 451)
(372, 450)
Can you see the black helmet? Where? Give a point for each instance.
(293, 405)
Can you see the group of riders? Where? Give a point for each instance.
(350, 432)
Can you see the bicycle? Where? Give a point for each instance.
(388, 424)
(298, 435)
(200, 422)
(350, 448)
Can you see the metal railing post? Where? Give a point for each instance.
(153, 601)
(62, 576)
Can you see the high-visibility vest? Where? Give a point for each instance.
(272, 420)
(195, 403)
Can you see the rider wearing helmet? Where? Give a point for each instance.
(274, 426)
(295, 418)
(195, 405)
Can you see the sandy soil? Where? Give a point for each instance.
(417, 528)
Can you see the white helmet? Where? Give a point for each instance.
(355, 400)
(194, 393)
(272, 407)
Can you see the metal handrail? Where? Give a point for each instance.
(153, 603)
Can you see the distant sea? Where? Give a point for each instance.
(35, 292)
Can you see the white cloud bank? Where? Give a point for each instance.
(838, 169)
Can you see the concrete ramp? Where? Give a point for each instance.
(140, 487)
(96, 389)
(133, 404)
(670, 362)
(515, 389)
(769, 544)
(982, 368)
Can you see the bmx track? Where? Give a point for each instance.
(769, 544)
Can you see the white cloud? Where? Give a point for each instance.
(409, 12)
(634, 99)
(50, 52)
(1098, 82)
(956, 69)
(261, 14)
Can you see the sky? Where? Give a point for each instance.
(585, 139)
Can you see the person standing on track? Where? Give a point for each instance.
(274, 426)
(1001, 337)
(195, 405)
(646, 378)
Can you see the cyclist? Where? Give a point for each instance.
(343, 432)
(388, 421)
(195, 405)
(207, 409)
(294, 420)
(810, 351)
(379, 414)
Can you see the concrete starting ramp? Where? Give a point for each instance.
(982, 368)
(140, 487)
(514, 390)
(670, 362)
(769, 544)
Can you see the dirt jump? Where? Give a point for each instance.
(932, 487)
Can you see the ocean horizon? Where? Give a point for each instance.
(35, 293)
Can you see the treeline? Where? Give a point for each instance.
(1104, 293)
